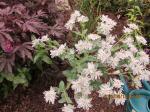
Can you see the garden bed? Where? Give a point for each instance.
(74, 55)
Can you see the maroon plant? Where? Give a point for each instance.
(19, 21)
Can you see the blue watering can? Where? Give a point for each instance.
(138, 99)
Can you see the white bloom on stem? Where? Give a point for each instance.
(127, 30)
(145, 75)
(105, 90)
(91, 72)
(110, 39)
(137, 82)
(50, 95)
(144, 58)
(94, 36)
(136, 66)
(117, 83)
(84, 103)
(81, 46)
(82, 19)
(58, 51)
(119, 98)
(69, 25)
(75, 14)
(71, 22)
(68, 108)
(133, 26)
(81, 84)
(106, 46)
(35, 42)
(123, 54)
(44, 38)
(103, 55)
(113, 62)
(106, 25)
(141, 39)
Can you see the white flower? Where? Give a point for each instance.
(122, 54)
(44, 38)
(81, 85)
(144, 58)
(141, 39)
(82, 19)
(68, 108)
(136, 66)
(71, 22)
(129, 40)
(110, 39)
(105, 89)
(137, 82)
(69, 25)
(93, 36)
(119, 98)
(127, 30)
(103, 55)
(91, 72)
(117, 83)
(145, 75)
(76, 14)
(50, 95)
(58, 52)
(113, 62)
(81, 46)
(133, 26)
(84, 103)
(106, 25)
(35, 42)
(106, 46)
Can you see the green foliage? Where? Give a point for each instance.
(62, 90)
(11, 81)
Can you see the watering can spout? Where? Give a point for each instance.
(146, 85)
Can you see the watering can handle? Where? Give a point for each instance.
(146, 85)
(125, 86)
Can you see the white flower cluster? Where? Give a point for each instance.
(109, 90)
(75, 17)
(131, 27)
(68, 108)
(82, 46)
(36, 42)
(50, 96)
(122, 57)
(58, 51)
(106, 25)
(91, 72)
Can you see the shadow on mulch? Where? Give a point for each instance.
(31, 99)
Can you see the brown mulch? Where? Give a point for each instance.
(31, 99)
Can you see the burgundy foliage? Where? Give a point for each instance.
(19, 20)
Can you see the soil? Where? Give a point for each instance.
(31, 99)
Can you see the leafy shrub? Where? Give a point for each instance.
(20, 22)
(96, 61)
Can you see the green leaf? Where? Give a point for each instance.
(61, 86)
(46, 59)
(1, 79)
(62, 100)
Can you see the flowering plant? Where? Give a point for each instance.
(96, 61)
